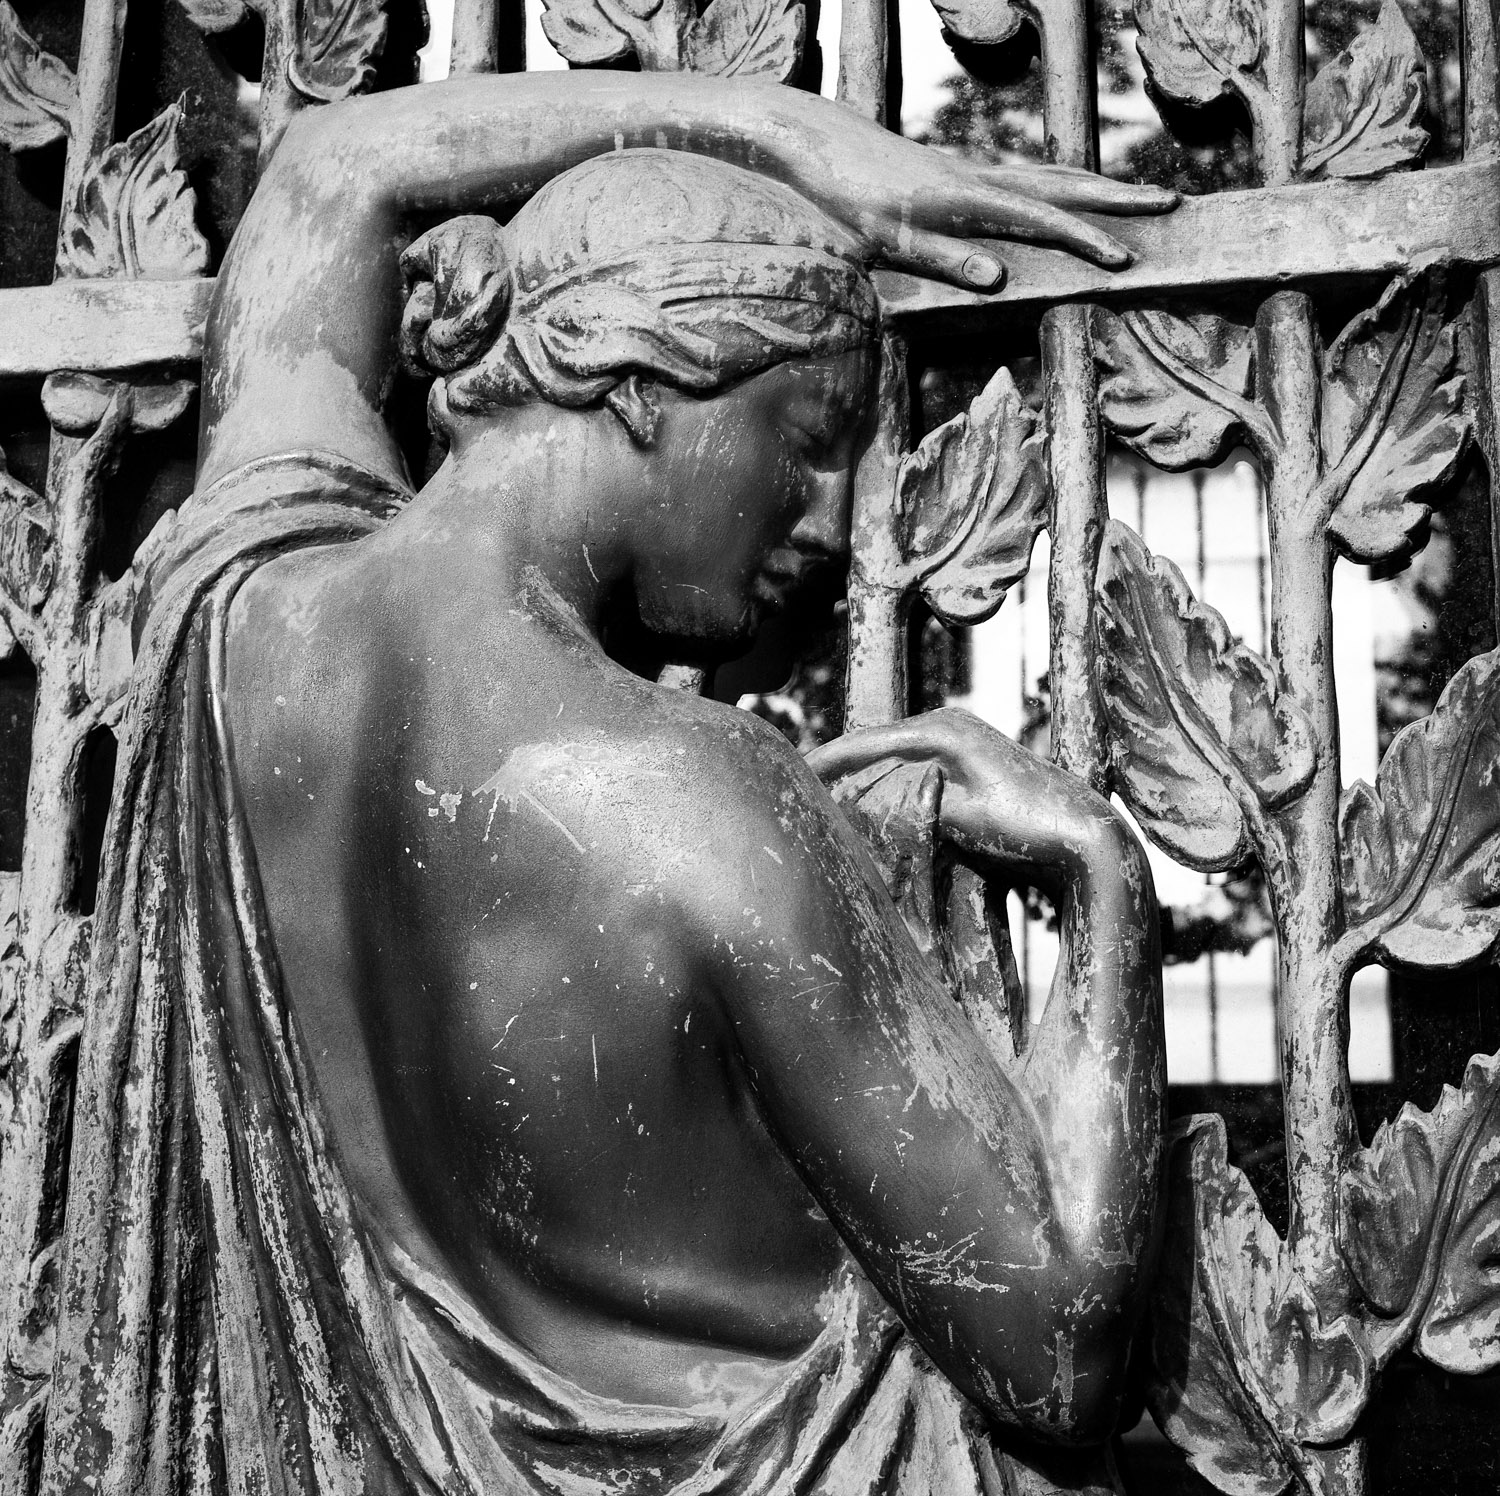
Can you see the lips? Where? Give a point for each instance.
(773, 588)
(780, 574)
(784, 571)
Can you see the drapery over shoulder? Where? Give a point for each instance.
(231, 1319)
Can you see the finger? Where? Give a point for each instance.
(848, 787)
(992, 215)
(858, 750)
(1080, 191)
(943, 257)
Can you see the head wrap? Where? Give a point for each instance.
(653, 262)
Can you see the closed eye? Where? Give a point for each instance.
(818, 446)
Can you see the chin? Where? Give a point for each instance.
(712, 637)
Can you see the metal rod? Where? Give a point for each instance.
(1070, 398)
(1201, 583)
(1272, 235)
(1314, 1021)
(53, 936)
(876, 688)
(489, 36)
(278, 99)
(1069, 114)
(1481, 83)
(475, 37)
(864, 57)
(98, 88)
(1481, 80)
(1070, 402)
(1304, 873)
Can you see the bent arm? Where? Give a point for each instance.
(301, 336)
(1011, 1223)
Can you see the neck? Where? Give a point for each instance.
(519, 505)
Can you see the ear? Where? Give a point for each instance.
(634, 400)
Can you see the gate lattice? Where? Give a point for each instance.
(1265, 1351)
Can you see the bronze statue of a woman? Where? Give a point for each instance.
(509, 1075)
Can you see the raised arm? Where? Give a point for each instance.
(1010, 1215)
(302, 334)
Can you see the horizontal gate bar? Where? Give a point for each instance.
(1261, 236)
(103, 326)
(1258, 237)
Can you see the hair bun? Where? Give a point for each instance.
(458, 284)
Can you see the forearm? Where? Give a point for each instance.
(483, 141)
(300, 346)
(1056, 1197)
(301, 341)
(1055, 1185)
(1095, 1069)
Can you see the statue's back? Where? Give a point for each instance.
(477, 905)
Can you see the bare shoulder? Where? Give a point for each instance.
(294, 679)
(763, 839)
(735, 772)
(700, 801)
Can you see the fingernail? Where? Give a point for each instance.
(983, 271)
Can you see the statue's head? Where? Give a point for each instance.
(721, 322)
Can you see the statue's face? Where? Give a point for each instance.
(754, 486)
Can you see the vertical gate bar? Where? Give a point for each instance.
(476, 40)
(1318, 1104)
(1069, 112)
(1200, 582)
(53, 939)
(98, 86)
(1481, 85)
(1305, 881)
(875, 685)
(1075, 440)
(489, 36)
(1070, 404)
(876, 688)
(278, 99)
(864, 57)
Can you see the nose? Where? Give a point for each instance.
(824, 525)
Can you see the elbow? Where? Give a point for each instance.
(1079, 1406)
(1088, 1404)
(1069, 1389)
(303, 140)
(1115, 894)
(1096, 1342)
(1120, 851)
(322, 149)
(310, 131)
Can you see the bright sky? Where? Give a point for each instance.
(927, 62)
